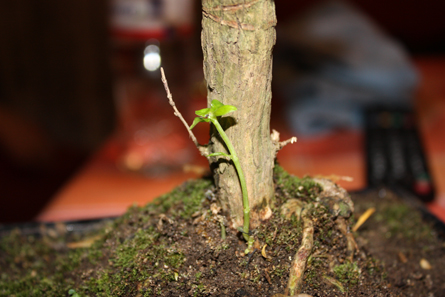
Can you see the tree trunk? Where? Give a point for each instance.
(237, 41)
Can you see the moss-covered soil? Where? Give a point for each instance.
(175, 247)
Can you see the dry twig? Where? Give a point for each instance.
(202, 149)
(363, 218)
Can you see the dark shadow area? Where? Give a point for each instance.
(56, 103)
(25, 191)
(417, 25)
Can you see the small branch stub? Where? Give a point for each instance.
(275, 136)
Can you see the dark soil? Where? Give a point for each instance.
(174, 247)
(400, 238)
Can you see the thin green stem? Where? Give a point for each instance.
(234, 157)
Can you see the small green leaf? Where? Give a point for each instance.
(218, 154)
(225, 109)
(216, 104)
(198, 120)
(202, 112)
(73, 293)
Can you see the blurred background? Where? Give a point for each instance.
(80, 92)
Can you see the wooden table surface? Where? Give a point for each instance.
(102, 189)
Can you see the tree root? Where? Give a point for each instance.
(338, 203)
(351, 244)
(299, 264)
(300, 260)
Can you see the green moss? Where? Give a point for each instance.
(373, 266)
(345, 209)
(313, 271)
(290, 232)
(135, 260)
(255, 274)
(36, 268)
(146, 254)
(198, 275)
(199, 290)
(303, 188)
(224, 246)
(288, 235)
(279, 271)
(184, 200)
(402, 220)
(347, 273)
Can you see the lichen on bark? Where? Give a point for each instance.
(237, 42)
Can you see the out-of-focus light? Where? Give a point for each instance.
(152, 57)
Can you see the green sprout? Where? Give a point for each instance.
(73, 293)
(217, 109)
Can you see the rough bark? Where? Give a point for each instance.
(237, 41)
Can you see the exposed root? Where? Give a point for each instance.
(351, 244)
(299, 264)
(295, 206)
(335, 198)
(292, 206)
(334, 282)
(266, 274)
(337, 201)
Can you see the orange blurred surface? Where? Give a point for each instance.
(101, 189)
(430, 107)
